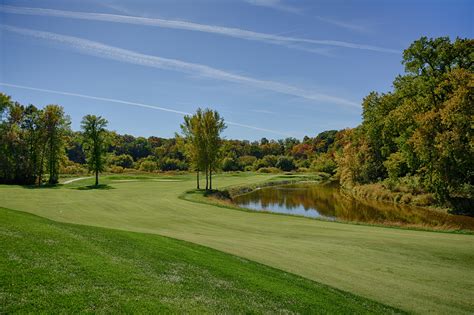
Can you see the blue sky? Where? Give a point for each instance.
(273, 68)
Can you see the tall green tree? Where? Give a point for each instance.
(192, 129)
(56, 126)
(202, 132)
(213, 127)
(94, 137)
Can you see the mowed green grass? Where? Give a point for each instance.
(417, 271)
(54, 267)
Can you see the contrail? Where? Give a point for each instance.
(110, 52)
(191, 26)
(112, 100)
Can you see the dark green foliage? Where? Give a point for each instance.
(31, 141)
(286, 163)
(170, 164)
(230, 165)
(95, 142)
(266, 161)
(324, 163)
(136, 147)
(75, 151)
(423, 128)
(123, 160)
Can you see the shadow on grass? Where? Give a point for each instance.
(94, 187)
(44, 186)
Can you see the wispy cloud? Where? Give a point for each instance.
(148, 106)
(263, 111)
(344, 24)
(284, 6)
(110, 52)
(291, 42)
(275, 4)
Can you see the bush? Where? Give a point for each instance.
(266, 161)
(230, 165)
(285, 163)
(246, 161)
(123, 160)
(396, 166)
(303, 170)
(303, 163)
(324, 163)
(169, 164)
(73, 168)
(148, 166)
(267, 170)
(116, 169)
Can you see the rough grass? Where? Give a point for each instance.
(398, 196)
(62, 268)
(422, 272)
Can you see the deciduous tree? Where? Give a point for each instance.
(95, 134)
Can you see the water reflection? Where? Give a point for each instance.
(326, 201)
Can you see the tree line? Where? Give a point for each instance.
(420, 135)
(33, 142)
(38, 143)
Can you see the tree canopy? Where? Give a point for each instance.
(94, 141)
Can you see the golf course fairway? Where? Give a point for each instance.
(416, 271)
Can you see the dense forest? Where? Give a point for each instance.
(417, 138)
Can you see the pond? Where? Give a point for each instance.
(325, 201)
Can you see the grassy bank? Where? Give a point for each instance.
(282, 179)
(55, 267)
(380, 193)
(423, 272)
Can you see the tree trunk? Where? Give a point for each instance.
(207, 178)
(210, 178)
(197, 179)
(41, 169)
(97, 178)
(51, 163)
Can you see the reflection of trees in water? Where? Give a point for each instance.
(329, 202)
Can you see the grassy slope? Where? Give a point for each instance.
(413, 270)
(54, 267)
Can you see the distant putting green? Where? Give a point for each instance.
(422, 272)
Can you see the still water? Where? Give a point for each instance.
(325, 201)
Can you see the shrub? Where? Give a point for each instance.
(324, 163)
(285, 163)
(266, 161)
(123, 160)
(303, 163)
(246, 161)
(248, 168)
(73, 168)
(148, 166)
(230, 165)
(396, 165)
(169, 164)
(303, 170)
(269, 170)
(116, 169)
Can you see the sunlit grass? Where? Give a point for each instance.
(413, 270)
